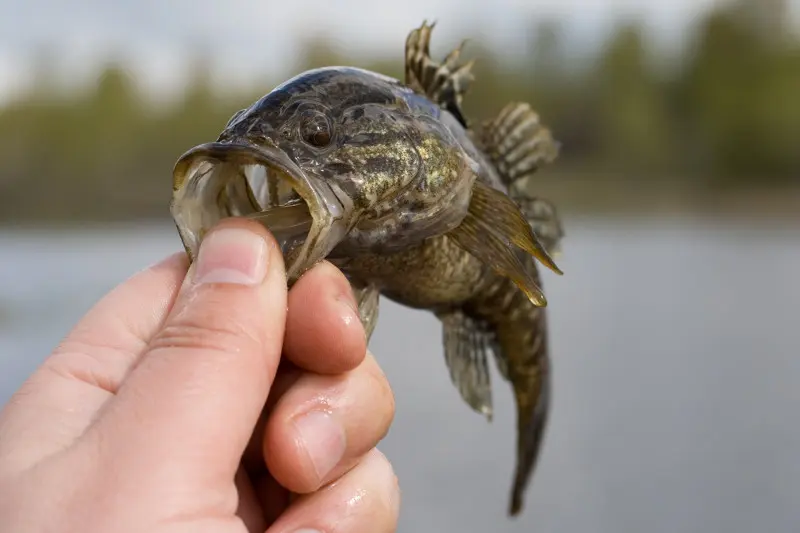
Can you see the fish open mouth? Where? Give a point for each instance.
(212, 181)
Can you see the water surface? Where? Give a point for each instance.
(677, 378)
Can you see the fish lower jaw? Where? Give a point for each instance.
(277, 205)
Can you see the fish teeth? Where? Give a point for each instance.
(270, 187)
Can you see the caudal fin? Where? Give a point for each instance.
(533, 407)
(523, 358)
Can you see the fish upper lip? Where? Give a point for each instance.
(330, 212)
(242, 153)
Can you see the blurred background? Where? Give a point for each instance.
(674, 328)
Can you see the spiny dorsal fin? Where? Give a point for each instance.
(518, 143)
(444, 83)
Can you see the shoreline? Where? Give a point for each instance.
(576, 196)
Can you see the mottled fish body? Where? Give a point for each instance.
(388, 180)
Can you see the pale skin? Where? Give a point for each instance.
(169, 408)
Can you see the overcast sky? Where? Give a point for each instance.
(254, 37)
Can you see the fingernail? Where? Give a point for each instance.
(323, 439)
(232, 255)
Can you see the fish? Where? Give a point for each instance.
(389, 181)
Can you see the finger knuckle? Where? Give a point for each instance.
(383, 467)
(86, 367)
(217, 332)
(382, 390)
(385, 479)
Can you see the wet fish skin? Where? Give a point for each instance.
(440, 276)
(412, 203)
(390, 154)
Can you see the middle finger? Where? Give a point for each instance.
(323, 333)
(323, 425)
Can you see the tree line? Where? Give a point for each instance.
(725, 115)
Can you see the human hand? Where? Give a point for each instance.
(150, 416)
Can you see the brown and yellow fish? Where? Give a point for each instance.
(388, 181)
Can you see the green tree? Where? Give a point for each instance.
(741, 105)
(635, 127)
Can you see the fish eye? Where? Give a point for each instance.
(315, 129)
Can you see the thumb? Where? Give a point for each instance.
(197, 392)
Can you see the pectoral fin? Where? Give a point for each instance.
(494, 231)
(496, 210)
(466, 348)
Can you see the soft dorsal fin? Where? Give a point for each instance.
(518, 143)
(444, 83)
(544, 221)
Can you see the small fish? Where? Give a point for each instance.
(388, 180)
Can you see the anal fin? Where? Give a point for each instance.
(466, 347)
(444, 83)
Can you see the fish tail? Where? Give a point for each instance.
(532, 416)
(520, 347)
(523, 344)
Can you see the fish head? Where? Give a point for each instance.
(335, 162)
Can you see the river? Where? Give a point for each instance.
(677, 378)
